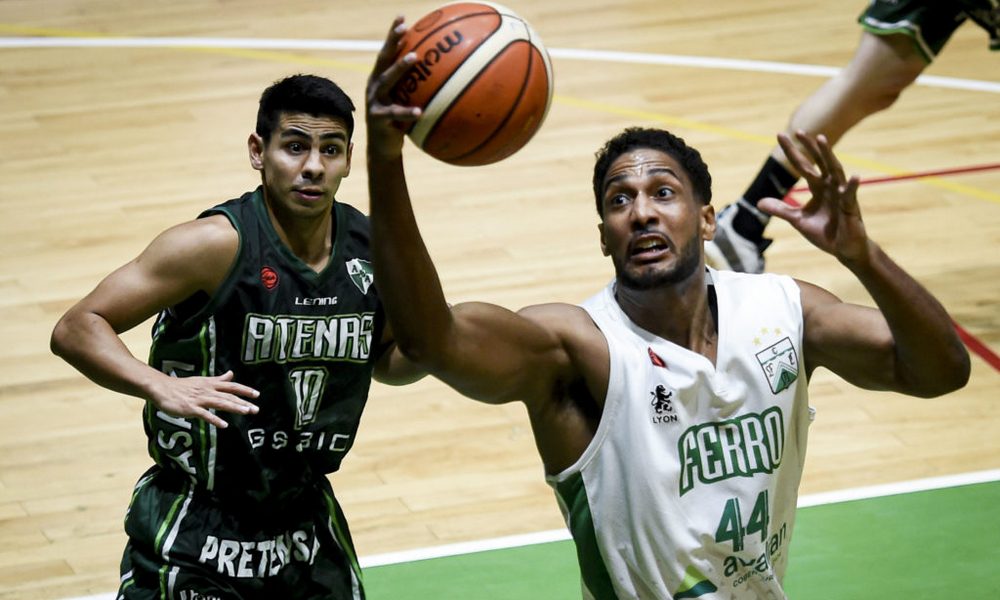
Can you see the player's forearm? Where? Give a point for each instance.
(90, 345)
(404, 273)
(930, 358)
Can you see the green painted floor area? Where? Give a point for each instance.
(940, 544)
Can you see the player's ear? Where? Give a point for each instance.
(350, 151)
(604, 246)
(255, 145)
(707, 222)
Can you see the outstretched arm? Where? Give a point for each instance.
(909, 344)
(484, 351)
(392, 366)
(87, 335)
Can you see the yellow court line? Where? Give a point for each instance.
(700, 126)
(665, 119)
(736, 134)
(49, 32)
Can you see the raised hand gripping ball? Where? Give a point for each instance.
(482, 78)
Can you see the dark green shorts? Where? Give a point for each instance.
(930, 23)
(185, 546)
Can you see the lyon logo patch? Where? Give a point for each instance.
(361, 273)
(661, 400)
(780, 364)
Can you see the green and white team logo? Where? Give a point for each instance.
(780, 364)
(361, 273)
(740, 447)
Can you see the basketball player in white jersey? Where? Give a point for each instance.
(670, 409)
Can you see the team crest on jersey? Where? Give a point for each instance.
(780, 365)
(361, 273)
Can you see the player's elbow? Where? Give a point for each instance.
(430, 347)
(59, 340)
(412, 351)
(951, 374)
(958, 373)
(70, 335)
(421, 351)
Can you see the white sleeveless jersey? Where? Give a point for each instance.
(688, 489)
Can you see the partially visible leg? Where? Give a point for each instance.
(882, 67)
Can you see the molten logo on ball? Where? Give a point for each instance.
(483, 82)
(422, 70)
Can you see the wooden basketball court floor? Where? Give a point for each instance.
(119, 119)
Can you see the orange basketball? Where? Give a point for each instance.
(482, 79)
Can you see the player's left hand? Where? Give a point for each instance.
(831, 219)
(387, 121)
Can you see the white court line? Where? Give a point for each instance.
(701, 62)
(541, 537)
(902, 487)
(500, 543)
(557, 535)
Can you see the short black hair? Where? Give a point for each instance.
(309, 94)
(655, 139)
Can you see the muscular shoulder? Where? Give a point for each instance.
(814, 301)
(204, 235)
(198, 252)
(581, 339)
(567, 321)
(565, 424)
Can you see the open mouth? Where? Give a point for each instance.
(649, 246)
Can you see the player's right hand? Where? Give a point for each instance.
(198, 396)
(831, 219)
(387, 121)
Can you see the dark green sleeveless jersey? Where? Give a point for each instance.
(307, 341)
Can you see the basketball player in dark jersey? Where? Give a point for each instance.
(270, 329)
